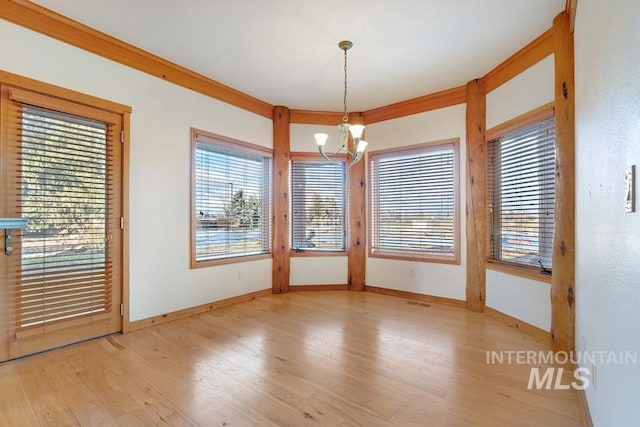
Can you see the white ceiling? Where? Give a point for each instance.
(285, 51)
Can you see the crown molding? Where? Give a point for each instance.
(433, 101)
(534, 52)
(52, 24)
(60, 27)
(309, 117)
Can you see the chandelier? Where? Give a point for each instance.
(356, 150)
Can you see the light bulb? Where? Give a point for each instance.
(321, 139)
(356, 131)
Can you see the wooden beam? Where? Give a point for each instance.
(309, 117)
(433, 101)
(563, 280)
(52, 24)
(281, 222)
(357, 219)
(529, 55)
(476, 196)
(571, 7)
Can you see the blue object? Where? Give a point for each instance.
(13, 223)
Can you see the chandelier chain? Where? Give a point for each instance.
(345, 118)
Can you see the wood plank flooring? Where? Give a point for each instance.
(332, 358)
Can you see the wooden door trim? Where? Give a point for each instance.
(15, 80)
(125, 212)
(64, 96)
(5, 305)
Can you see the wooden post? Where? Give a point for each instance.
(357, 219)
(563, 280)
(476, 196)
(281, 224)
(571, 7)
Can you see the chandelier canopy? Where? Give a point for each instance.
(356, 149)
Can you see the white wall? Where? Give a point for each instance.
(528, 90)
(607, 42)
(443, 280)
(521, 296)
(524, 299)
(302, 140)
(321, 270)
(161, 280)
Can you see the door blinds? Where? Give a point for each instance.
(63, 261)
(521, 195)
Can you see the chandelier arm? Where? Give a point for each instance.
(326, 156)
(356, 158)
(323, 154)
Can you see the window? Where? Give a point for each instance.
(318, 204)
(521, 194)
(230, 199)
(414, 208)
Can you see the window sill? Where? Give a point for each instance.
(231, 260)
(412, 257)
(316, 253)
(519, 271)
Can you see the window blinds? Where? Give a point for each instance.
(521, 195)
(232, 200)
(413, 202)
(64, 264)
(318, 205)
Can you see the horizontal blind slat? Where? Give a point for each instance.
(413, 202)
(318, 205)
(520, 186)
(232, 201)
(65, 179)
(70, 313)
(57, 303)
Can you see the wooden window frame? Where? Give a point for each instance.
(302, 156)
(536, 115)
(234, 144)
(432, 258)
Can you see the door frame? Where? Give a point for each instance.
(124, 111)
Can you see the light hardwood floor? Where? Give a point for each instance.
(331, 358)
